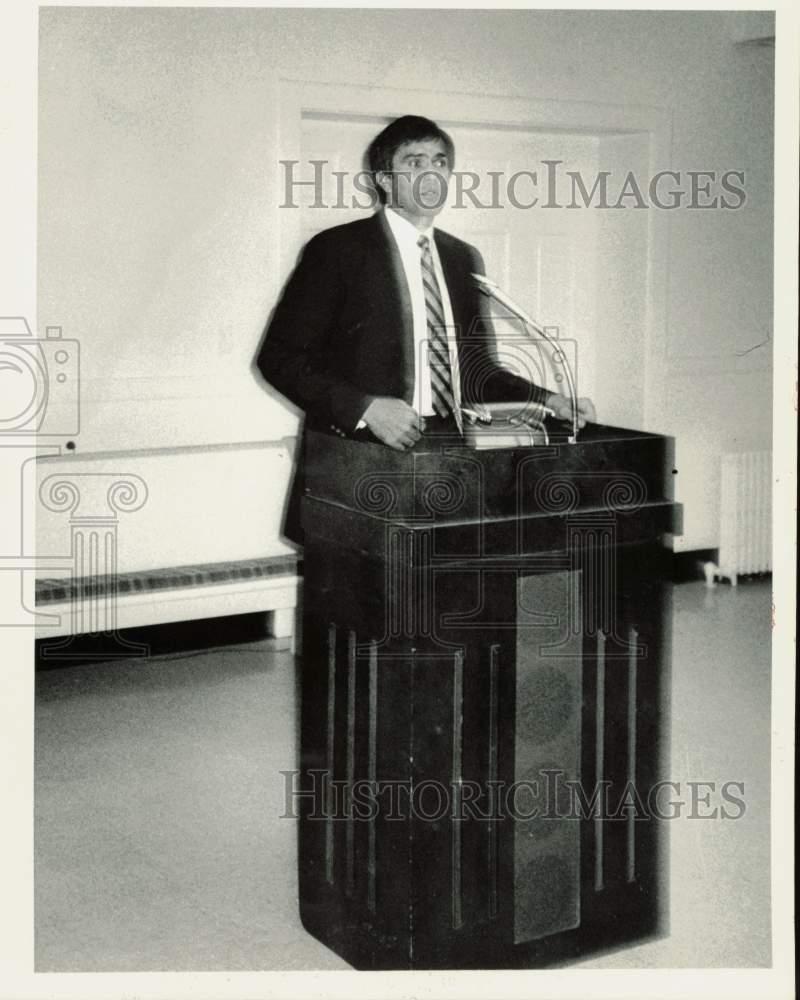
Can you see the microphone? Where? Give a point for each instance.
(493, 290)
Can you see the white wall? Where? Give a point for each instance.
(196, 506)
(159, 179)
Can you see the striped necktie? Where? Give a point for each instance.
(438, 351)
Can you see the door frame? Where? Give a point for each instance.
(297, 99)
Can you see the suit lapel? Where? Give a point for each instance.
(454, 279)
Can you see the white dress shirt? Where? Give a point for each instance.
(406, 235)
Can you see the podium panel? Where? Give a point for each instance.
(547, 757)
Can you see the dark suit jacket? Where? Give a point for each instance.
(342, 332)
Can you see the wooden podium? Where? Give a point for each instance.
(484, 694)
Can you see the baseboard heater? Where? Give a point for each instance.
(95, 604)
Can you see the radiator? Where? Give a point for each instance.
(745, 544)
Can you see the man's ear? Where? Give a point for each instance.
(384, 180)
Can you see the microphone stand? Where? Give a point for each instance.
(490, 288)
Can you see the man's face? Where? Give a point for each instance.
(417, 185)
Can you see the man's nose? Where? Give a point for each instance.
(434, 178)
(432, 188)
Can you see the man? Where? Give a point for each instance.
(380, 332)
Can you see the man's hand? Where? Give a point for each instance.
(394, 422)
(562, 408)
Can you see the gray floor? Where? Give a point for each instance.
(160, 843)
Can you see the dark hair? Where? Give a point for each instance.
(409, 128)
